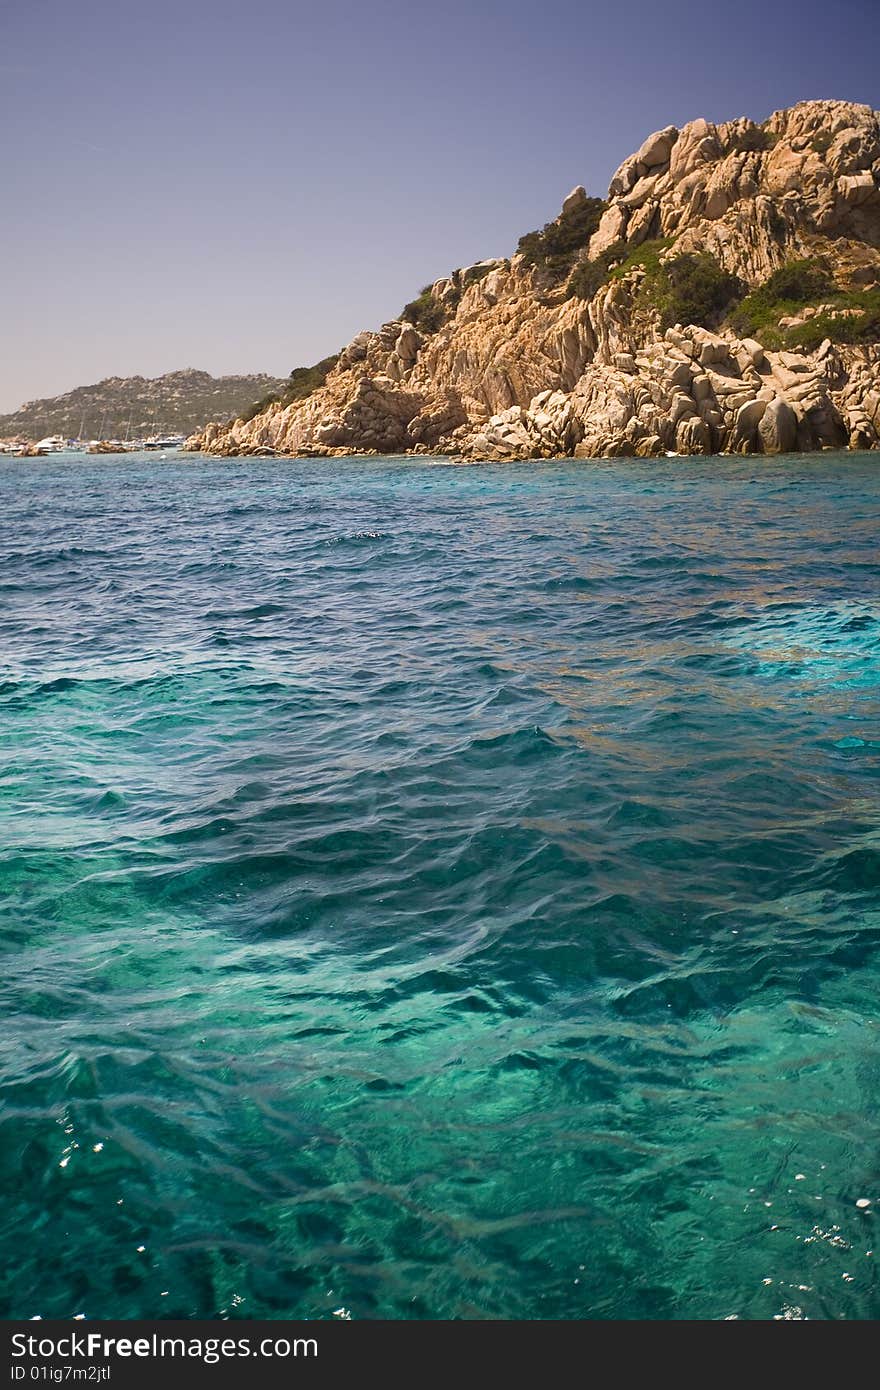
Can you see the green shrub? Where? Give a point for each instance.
(814, 331)
(784, 292)
(554, 248)
(863, 327)
(690, 288)
(769, 138)
(697, 290)
(799, 282)
(788, 290)
(647, 256)
(425, 313)
(473, 274)
(304, 380)
(588, 277)
(258, 407)
(301, 383)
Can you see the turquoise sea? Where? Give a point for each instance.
(440, 892)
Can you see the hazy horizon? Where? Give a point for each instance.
(241, 190)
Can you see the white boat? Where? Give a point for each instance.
(164, 441)
(52, 444)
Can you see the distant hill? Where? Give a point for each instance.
(177, 403)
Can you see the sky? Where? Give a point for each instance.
(242, 186)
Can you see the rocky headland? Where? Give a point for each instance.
(723, 298)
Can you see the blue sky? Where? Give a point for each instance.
(243, 186)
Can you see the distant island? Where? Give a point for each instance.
(724, 297)
(136, 406)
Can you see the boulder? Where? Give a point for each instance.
(407, 345)
(575, 198)
(856, 189)
(753, 351)
(657, 148)
(778, 427)
(747, 422)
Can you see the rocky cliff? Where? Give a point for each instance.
(725, 297)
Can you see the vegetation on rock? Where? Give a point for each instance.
(134, 406)
(689, 289)
(588, 277)
(694, 289)
(701, 229)
(429, 311)
(426, 313)
(784, 292)
(301, 383)
(798, 286)
(553, 250)
(849, 318)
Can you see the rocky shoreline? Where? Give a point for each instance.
(513, 359)
(691, 393)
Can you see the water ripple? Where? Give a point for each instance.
(439, 892)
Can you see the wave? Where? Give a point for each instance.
(440, 892)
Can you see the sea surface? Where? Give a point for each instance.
(440, 892)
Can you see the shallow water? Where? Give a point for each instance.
(431, 891)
